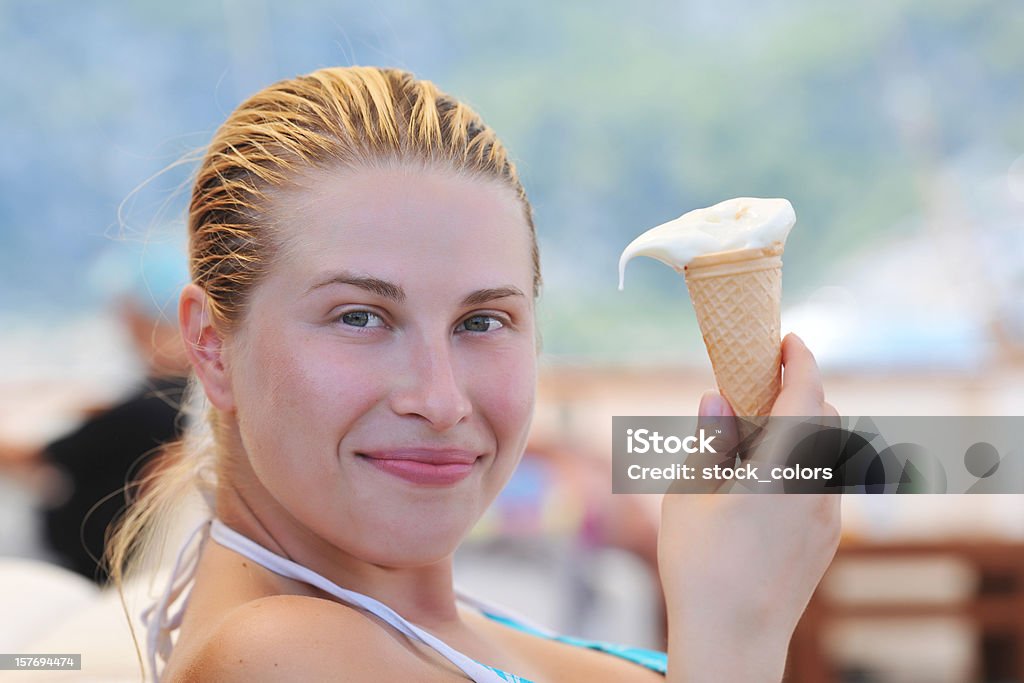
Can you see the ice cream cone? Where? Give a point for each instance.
(737, 296)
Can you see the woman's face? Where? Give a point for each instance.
(384, 375)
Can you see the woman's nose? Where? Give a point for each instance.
(431, 387)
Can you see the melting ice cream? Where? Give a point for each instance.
(741, 223)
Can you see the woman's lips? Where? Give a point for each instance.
(426, 467)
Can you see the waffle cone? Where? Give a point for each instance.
(737, 296)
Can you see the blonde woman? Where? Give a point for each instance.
(361, 321)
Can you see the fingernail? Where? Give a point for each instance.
(711, 405)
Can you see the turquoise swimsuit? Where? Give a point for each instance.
(651, 659)
(160, 624)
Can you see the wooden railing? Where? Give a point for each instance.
(993, 610)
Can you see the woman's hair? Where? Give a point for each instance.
(338, 118)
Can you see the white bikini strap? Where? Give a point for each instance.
(229, 538)
(159, 624)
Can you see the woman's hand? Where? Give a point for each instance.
(738, 570)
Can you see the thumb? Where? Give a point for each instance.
(713, 404)
(716, 422)
(716, 416)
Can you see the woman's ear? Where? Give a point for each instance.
(205, 347)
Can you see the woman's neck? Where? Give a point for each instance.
(422, 594)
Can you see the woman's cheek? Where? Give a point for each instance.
(340, 385)
(308, 397)
(511, 388)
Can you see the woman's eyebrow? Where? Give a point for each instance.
(390, 290)
(482, 296)
(375, 285)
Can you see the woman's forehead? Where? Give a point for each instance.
(404, 220)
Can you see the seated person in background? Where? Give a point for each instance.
(83, 475)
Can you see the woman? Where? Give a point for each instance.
(361, 321)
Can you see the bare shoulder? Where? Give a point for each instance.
(289, 637)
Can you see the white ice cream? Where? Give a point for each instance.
(741, 223)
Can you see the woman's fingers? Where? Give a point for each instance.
(802, 394)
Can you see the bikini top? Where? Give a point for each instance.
(160, 624)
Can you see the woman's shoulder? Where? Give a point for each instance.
(292, 637)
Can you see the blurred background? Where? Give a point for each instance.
(895, 127)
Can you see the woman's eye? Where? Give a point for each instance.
(481, 323)
(361, 319)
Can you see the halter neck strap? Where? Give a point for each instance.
(229, 538)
